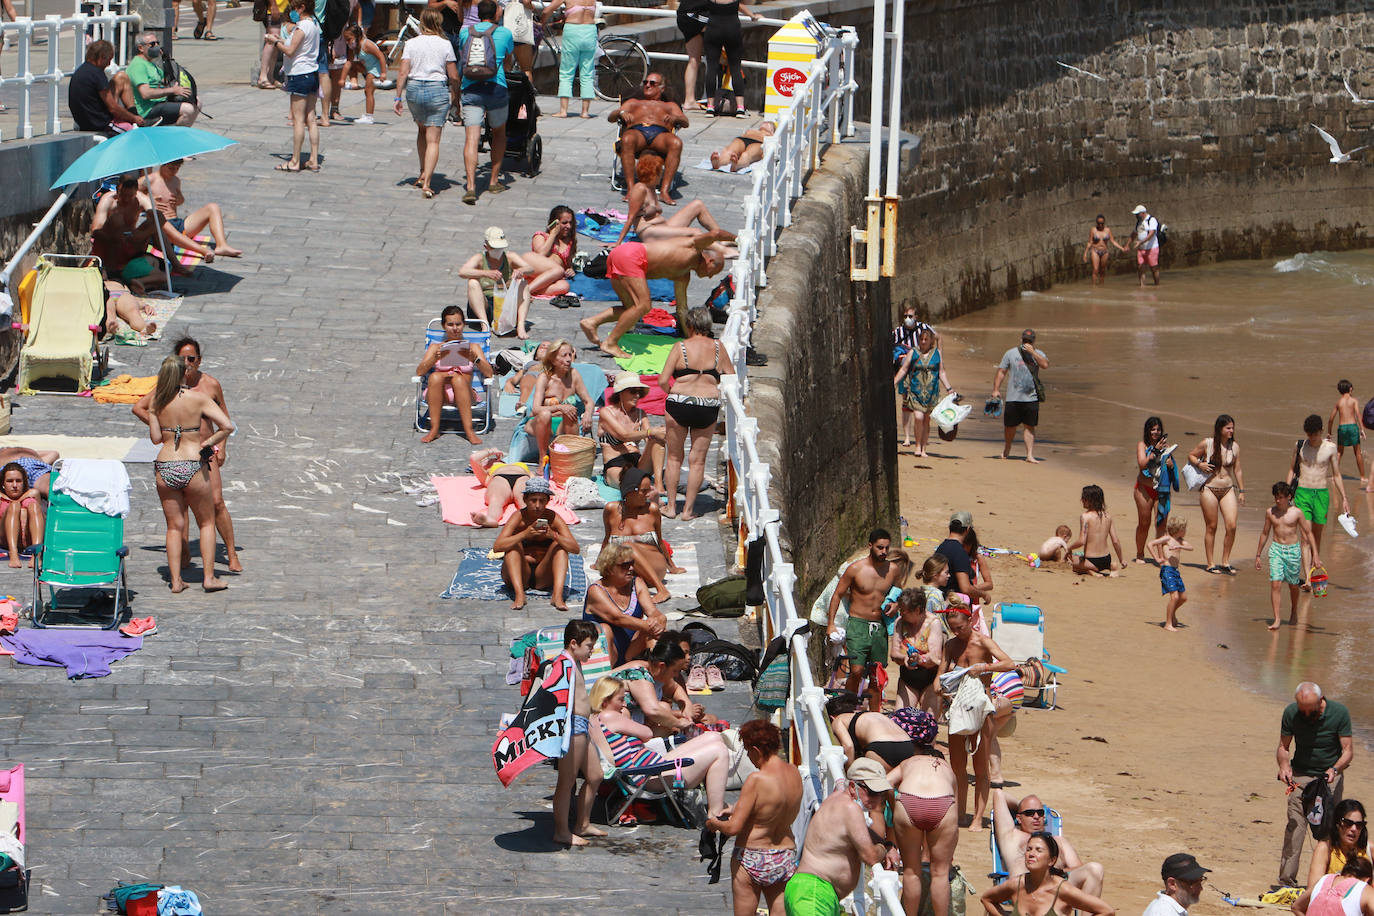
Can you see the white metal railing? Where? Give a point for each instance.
(821, 112)
(77, 31)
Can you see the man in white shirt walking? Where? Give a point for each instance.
(1146, 243)
(1182, 886)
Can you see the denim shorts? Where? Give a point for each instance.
(303, 84)
(490, 100)
(428, 101)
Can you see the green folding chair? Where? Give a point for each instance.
(82, 556)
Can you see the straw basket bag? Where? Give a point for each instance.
(571, 456)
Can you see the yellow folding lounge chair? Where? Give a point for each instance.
(68, 302)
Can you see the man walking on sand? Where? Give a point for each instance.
(865, 583)
(1182, 878)
(630, 267)
(1146, 244)
(1024, 392)
(840, 840)
(1314, 743)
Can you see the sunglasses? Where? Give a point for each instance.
(629, 565)
(1031, 812)
(652, 83)
(1347, 823)
(150, 44)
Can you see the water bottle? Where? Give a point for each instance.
(906, 538)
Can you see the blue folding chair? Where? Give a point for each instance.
(483, 402)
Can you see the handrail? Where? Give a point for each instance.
(820, 113)
(110, 26)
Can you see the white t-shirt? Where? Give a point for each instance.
(1164, 905)
(428, 56)
(1143, 228)
(307, 56)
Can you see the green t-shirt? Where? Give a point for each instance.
(143, 72)
(1316, 743)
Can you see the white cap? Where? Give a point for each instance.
(495, 237)
(1139, 209)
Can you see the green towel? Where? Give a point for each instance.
(648, 353)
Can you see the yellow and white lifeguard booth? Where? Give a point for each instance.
(791, 52)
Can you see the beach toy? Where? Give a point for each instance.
(949, 413)
(1318, 579)
(1348, 523)
(1034, 560)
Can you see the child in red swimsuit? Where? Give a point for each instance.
(20, 510)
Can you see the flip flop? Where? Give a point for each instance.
(199, 30)
(1214, 570)
(286, 167)
(210, 36)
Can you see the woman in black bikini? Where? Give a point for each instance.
(1223, 493)
(1099, 236)
(744, 150)
(693, 406)
(1040, 890)
(862, 733)
(627, 438)
(182, 467)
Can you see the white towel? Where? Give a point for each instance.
(100, 485)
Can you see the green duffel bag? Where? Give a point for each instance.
(724, 598)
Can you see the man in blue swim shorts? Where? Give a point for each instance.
(649, 118)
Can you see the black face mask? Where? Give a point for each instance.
(153, 53)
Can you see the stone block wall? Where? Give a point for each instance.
(1202, 113)
(824, 402)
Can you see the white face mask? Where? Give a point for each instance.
(909, 322)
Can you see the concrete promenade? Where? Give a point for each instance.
(316, 739)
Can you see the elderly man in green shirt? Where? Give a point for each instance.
(1314, 743)
(153, 100)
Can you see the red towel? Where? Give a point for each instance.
(660, 318)
(652, 401)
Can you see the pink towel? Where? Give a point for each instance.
(462, 496)
(652, 400)
(13, 791)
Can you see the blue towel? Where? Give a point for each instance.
(84, 653)
(1168, 484)
(600, 290)
(479, 578)
(602, 228)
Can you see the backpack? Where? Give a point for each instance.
(718, 302)
(771, 688)
(479, 54)
(1368, 418)
(1162, 234)
(335, 18)
(1318, 807)
(699, 634)
(725, 598)
(596, 266)
(735, 662)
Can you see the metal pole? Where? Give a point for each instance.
(894, 117)
(875, 102)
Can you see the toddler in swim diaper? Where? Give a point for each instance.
(1056, 549)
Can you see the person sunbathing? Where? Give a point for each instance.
(637, 522)
(1017, 822)
(447, 368)
(164, 187)
(523, 380)
(744, 150)
(504, 482)
(649, 118)
(123, 305)
(124, 223)
(23, 516)
(559, 393)
(37, 466)
(536, 543)
(551, 254)
(646, 218)
(620, 604)
(627, 438)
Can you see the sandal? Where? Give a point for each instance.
(1214, 570)
(1229, 569)
(210, 36)
(428, 193)
(286, 167)
(199, 29)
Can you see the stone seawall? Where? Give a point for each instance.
(1203, 113)
(824, 402)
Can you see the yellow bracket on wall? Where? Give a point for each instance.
(877, 240)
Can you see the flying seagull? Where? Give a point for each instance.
(1082, 71)
(1354, 97)
(1336, 155)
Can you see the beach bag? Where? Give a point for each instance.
(583, 493)
(1193, 479)
(741, 767)
(725, 598)
(596, 266)
(770, 691)
(1039, 684)
(949, 413)
(736, 663)
(970, 707)
(1034, 369)
(503, 319)
(1368, 417)
(1318, 807)
(479, 54)
(724, 104)
(718, 302)
(959, 889)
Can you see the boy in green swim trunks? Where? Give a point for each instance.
(1290, 531)
(1313, 472)
(1349, 432)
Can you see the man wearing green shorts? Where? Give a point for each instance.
(840, 840)
(865, 584)
(1314, 470)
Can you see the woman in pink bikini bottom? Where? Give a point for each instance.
(926, 817)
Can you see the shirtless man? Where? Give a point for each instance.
(633, 264)
(967, 648)
(164, 187)
(123, 225)
(761, 822)
(649, 120)
(1015, 823)
(1315, 467)
(840, 840)
(188, 348)
(1291, 533)
(865, 583)
(744, 150)
(536, 543)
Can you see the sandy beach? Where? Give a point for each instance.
(1159, 746)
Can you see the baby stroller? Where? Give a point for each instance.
(523, 142)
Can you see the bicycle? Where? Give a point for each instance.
(620, 66)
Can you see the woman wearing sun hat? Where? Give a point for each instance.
(627, 439)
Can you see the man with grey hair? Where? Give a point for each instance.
(1021, 366)
(1314, 743)
(153, 99)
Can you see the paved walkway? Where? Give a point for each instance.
(318, 736)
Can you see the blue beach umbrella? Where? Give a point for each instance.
(139, 150)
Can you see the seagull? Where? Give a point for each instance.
(1082, 71)
(1336, 155)
(1355, 98)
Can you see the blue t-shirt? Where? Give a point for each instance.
(504, 41)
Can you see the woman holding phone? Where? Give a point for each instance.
(449, 367)
(551, 254)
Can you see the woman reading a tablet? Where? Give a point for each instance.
(449, 366)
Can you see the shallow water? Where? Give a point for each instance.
(1263, 341)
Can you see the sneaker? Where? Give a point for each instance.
(714, 679)
(365, 119)
(696, 679)
(139, 626)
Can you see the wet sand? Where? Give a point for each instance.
(1190, 719)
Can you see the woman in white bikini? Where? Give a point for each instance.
(182, 469)
(1218, 458)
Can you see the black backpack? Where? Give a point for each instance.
(335, 18)
(735, 662)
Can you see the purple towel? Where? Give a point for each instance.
(84, 653)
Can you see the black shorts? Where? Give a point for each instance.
(916, 678)
(1017, 413)
(624, 462)
(167, 111)
(691, 24)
